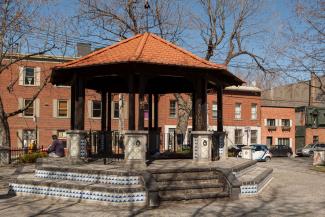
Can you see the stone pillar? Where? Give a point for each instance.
(202, 146)
(319, 157)
(4, 155)
(135, 148)
(77, 145)
(247, 152)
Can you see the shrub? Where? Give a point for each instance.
(31, 157)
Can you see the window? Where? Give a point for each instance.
(29, 76)
(146, 111)
(270, 122)
(269, 140)
(315, 139)
(62, 136)
(254, 111)
(284, 141)
(253, 136)
(238, 136)
(214, 110)
(285, 122)
(237, 111)
(29, 112)
(96, 109)
(116, 113)
(172, 108)
(28, 136)
(62, 108)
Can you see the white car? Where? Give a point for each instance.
(260, 152)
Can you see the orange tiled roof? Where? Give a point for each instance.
(144, 48)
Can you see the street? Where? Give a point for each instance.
(295, 190)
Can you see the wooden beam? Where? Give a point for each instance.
(220, 109)
(193, 112)
(109, 111)
(104, 110)
(141, 112)
(131, 103)
(77, 104)
(150, 111)
(156, 112)
(201, 105)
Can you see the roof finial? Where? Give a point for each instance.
(146, 7)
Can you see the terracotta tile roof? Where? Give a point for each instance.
(142, 48)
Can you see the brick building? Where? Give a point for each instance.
(50, 112)
(278, 126)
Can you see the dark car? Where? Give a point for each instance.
(234, 150)
(281, 151)
(308, 150)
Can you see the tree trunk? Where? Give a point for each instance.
(4, 128)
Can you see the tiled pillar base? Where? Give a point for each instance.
(202, 146)
(247, 152)
(77, 144)
(4, 155)
(135, 148)
(319, 157)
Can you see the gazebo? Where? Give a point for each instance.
(143, 64)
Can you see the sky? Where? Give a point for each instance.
(271, 20)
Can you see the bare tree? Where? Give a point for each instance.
(304, 50)
(111, 21)
(21, 26)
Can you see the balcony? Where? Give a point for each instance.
(271, 128)
(286, 128)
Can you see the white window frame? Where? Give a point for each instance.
(282, 141)
(240, 136)
(214, 110)
(92, 109)
(24, 104)
(267, 122)
(118, 109)
(254, 111)
(256, 136)
(170, 109)
(238, 111)
(58, 108)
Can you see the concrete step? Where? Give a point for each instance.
(253, 181)
(89, 175)
(27, 184)
(186, 176)
(191, 194)
(183, 185)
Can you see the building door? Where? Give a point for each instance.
(269, 140)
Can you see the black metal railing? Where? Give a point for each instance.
(26, 155)
(106, 144)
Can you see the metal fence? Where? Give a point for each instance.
(26, 155)
(103, 144)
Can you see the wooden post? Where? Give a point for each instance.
(109, 111)
(141, 112)
(131, 103)
(77, 104)
(201, 105)
(150, 112)
(156, 112)
(193, 112)
(220, 109)
(104, 110)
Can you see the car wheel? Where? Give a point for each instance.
(267, 159)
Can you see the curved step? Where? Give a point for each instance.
(186, 176)
(27, 185)
(192, 194)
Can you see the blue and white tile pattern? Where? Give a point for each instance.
(84, 177)
(137, 197)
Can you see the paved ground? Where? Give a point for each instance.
(294, 191)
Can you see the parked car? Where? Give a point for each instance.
(281, 151)
(308, 150)
(260, 152)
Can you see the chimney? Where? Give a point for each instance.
(314, 85)
(83, 49)
(14, 49)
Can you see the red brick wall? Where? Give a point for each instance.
(47, 124)
(278, 113)
(315, 132)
